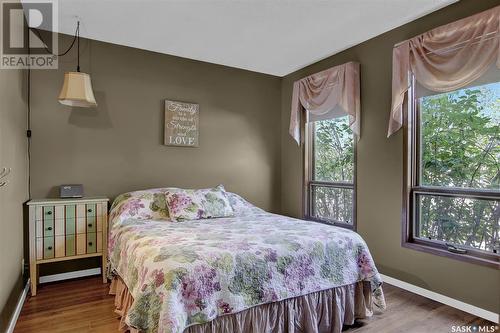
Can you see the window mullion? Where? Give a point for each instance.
(457, 192)
(333, 184)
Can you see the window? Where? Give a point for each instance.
(330, 172)
(453, 171)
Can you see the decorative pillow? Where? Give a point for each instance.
(198, 204)
(143, 205)
(242, 207)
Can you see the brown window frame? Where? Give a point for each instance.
(411, 187)
(309, 183)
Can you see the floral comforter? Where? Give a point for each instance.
(190, 272)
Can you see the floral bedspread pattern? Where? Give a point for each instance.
(186, 273)
(196, 204)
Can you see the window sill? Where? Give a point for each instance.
(445, 253)
(334, 224)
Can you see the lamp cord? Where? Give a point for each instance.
(28, 130)
(28, 116)
(78, 46)
(75, 38)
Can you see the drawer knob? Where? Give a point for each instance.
(90, 243)
(49, 228)
(49, 248)
(89, 210)
(49, 213)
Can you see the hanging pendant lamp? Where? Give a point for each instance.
(77, 87)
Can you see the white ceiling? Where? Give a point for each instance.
(269, 36)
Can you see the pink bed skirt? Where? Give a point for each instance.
(322, 311)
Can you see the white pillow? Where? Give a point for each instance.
(242, 207)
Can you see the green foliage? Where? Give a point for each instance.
(333, 162)
(460, 139)
(333, 204)
(333, 150)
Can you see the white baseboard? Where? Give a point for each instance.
(19, 307)
(491, 316)
(70, 275)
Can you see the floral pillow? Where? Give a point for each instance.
(242, 207)
(144, 205)
(198, 204)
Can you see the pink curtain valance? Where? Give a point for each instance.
(332, 93)
(445, 59)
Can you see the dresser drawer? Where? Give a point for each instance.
(90, 210)
(68, 245)
(55, 247)
(45, 248)
(61, 220)
(91, 242)
(51, 212)
(67, 211)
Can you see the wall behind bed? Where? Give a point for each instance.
(117, 147)
(13, 152)
(380, 167)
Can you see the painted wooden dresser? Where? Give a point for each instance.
(67, 229)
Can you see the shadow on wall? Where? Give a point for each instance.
(404, 276)
(97, 118)
(6, 312)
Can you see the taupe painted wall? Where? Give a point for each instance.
(380, 167)
(13, 154)
(118, 146)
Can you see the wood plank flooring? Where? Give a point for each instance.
(83, 305)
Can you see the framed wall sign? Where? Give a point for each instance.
(181, 124)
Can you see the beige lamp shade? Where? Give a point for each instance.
(77, 90)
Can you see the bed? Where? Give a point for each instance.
(250, 272)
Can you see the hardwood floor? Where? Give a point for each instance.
(410, 313)
(81, 305)
(84, 305)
